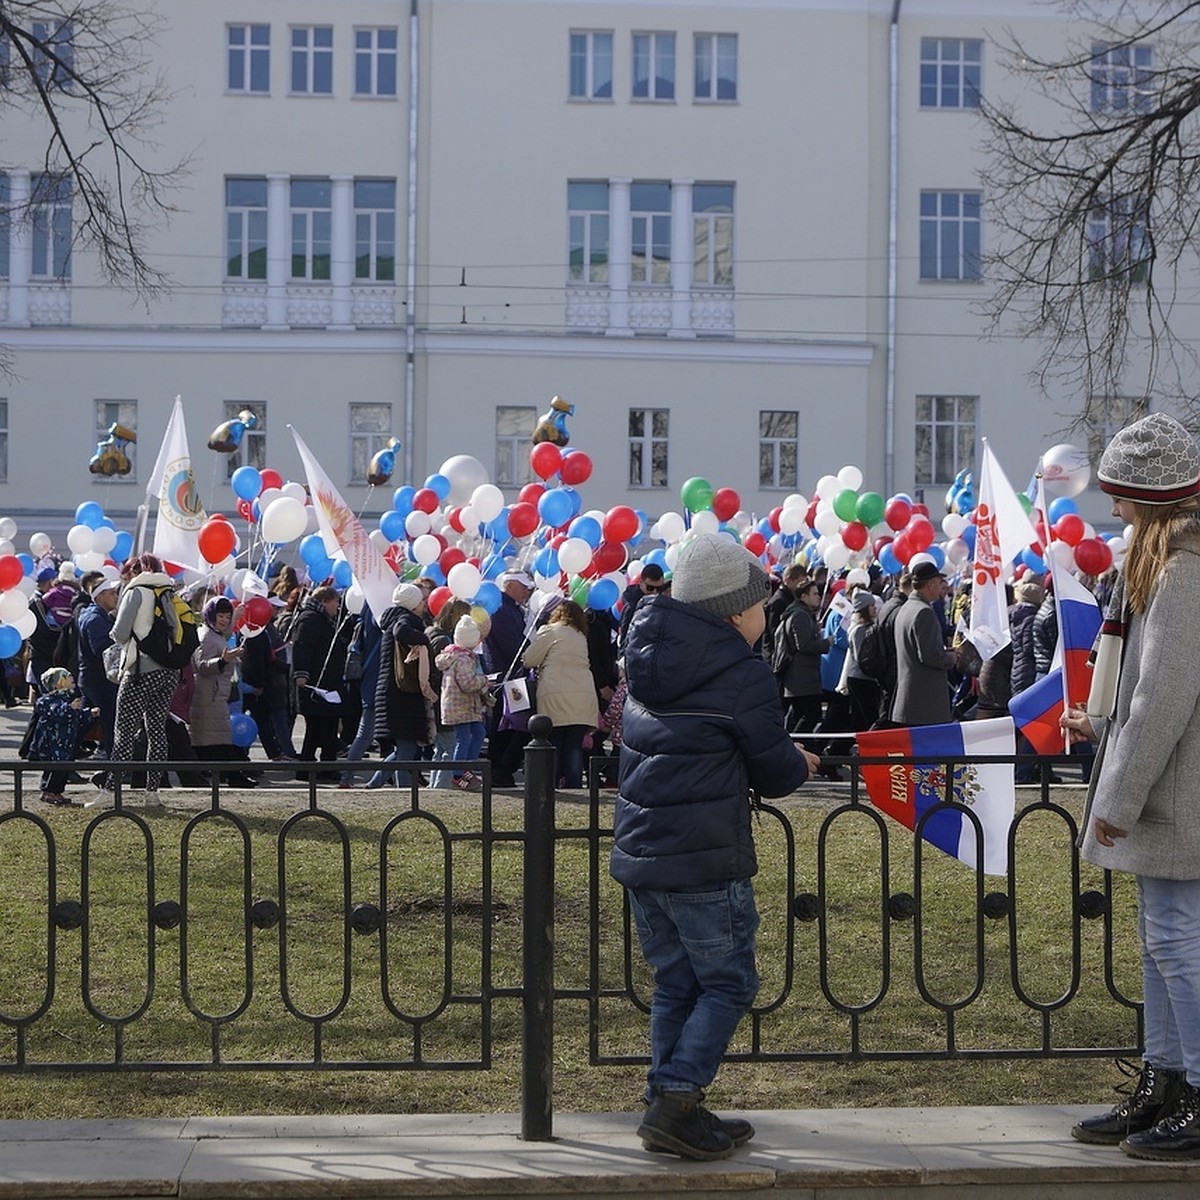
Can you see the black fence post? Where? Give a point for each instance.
(537, 1029)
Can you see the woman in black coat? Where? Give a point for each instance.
(403, 695)
(318, 661)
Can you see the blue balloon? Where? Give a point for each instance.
(888, 560)
(575, 498)
(658, 556)
(392, 525)
(343, 576)
(1032, 560)
(402, 501)
(604, 594)
(246, 482)
(546, 563)
(492, 566)
(497, 527)
(312, 549)
(488, 597)
(434, 572)
(587, 528)
(439, 484)
(555, 507)
(26, 560)
(968, 535)
(938, 555)
(10, 641)
(1061, 506)
(243, 730)
(89, 513)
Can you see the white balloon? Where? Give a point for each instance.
(670, 527)
(796, 500)
(487, 500)
(1065, 470)
(25, 624)
(284, 520)
(545, 583)
(573, 555)
(837, 556)
(917, 559)
(464, 580)
(295, 490)
(1089, 531)
(850, 477)
(468, 519)
(957, 552)
(1063, 553)
(6, 547)
(465, 475)
(1117, 545)
(267, 497)
(672, 555)
(634, 568)
(39, 544)
(13, 605)
(8, 528)
(828, 487)
(354, 598)
(791, 520)
(426, 549)
(741, 521)
(27, 584)
(79, 538)
(378, 539)
(311, 521)
(828, 521)
(89, 560)
(104, 538)
(706, 521)
(417, 523)
(953, 524)
(225, 567)
(858, 578)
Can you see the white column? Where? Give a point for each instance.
(279, 248)
(20, 249)
(620, 251)
(682, 259)
(341, 267)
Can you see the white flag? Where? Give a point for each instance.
(342, 530)
(180, 509)
(1003, 529)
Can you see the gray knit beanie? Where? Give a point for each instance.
(1153, 461)
(716, 574)
(408, 595)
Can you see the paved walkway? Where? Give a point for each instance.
(981, 1153)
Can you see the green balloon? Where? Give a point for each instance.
(869, 509)
(845, 504)
(1026, 503)
(579, 589)
(696, 494)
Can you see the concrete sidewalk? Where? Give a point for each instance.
(984, 1153)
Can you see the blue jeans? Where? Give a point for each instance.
(404, 751)
(443, 751)
(364, 735)
(700, 944)
(468, 741)
(1169, 931)
(568, 743)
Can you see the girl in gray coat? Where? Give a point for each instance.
(1143, 810)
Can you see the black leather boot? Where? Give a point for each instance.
(1175, 1138)
(1154, 1096)
(679, 1123)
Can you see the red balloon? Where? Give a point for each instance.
(810, 517)
(608, 556)
(556, 541)
(545, 458)
(855, 535)
(216, 540)
(725, 503)
(256, 611)
(880, 542)
(897, 513)
(218, 517)
(575, 467)
(11, 571)
(270, 478)
(450, 558)
(837, 587)
(1069, 529)
(531, 493)
(755, 542)
(620, 523)
(1092, 556)
(454, 519)
(923, 509)
(903, 549)
(438, 598)
(246, 510)
(425, 500)
(523, 518)
(773, 518)
(920, 533)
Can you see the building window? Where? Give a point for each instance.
(252, 452)
(514, 425)
(5, 225)
(648, 428)
(950, 72)
(587, 222)
(1122, 78)
(245, 228)
(650, 243)
(591, 65)
(778, 449)
(249, 58)
(5, 60)
(312, 60)
(3, 441)
(375, 229)
(1106, 416)
(312, 217)
(1118, 246)
(950, 232)
(712, 234)
(945, 443)
(716, 66)
(122, 413)
(50, 227)
(654, 66)
(53, 54)
(370, 429)
(375, 62)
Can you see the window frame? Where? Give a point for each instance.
(653, 55)
(1106, 84)
(57, 74)
(250, 53)
(1119, 263)
(590, 223)
(313, 217)
(309, 56)
(775, 447)
(940, 63)
(252, 451)
(3, 439)
(50, 242)
(652, 269)
(644, 448)
(372, 215)
(590, 58)
(935, 422)
(366, 443)
(942, 224)
(374, 55)
(706, 245)
(246, 214)
(105, 420)
(712, 56)
(511, 448)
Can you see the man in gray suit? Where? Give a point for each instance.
(922, 661)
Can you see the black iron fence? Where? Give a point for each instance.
(170, 950)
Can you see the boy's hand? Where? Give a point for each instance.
(813, 760)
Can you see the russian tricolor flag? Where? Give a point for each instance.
(942, 771)
(1037, 711)
(1079, 620)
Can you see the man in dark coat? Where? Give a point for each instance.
(402, 691)
(886, 620)
(318, 659)
(923, 663)
(794, 577)
(94, 623)
(502, 658)
(649, 583)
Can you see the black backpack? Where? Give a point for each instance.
(174, 636)
(872, 650)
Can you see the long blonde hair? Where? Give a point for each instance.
(1155, 530)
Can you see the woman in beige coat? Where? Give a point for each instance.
(566, 692)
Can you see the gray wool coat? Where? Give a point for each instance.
(1146, 779)
(922, 666)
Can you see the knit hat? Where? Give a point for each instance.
(716, 574)
(467, 633)
(1153, 461)
(863, 600)
(66, 572)
(54, 677)
(409, 596)
(1029, 591)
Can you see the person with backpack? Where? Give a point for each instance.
(157, 640)
(799, 645)
(862, 688)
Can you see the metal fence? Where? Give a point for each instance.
(59, 945)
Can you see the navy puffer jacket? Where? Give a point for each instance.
(702, 725)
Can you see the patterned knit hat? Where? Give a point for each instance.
(1153, 461)
(716, 574)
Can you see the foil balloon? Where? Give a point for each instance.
(552, 424)
(110, 457)
(227, 436)
(383, 463)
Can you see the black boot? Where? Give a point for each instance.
(1154, 1096)
(738, 1129)
(1176, 1138)
(679, 1123)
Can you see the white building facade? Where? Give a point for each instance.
(424, 218)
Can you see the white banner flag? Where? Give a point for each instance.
(342, 530)
(180, 509)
